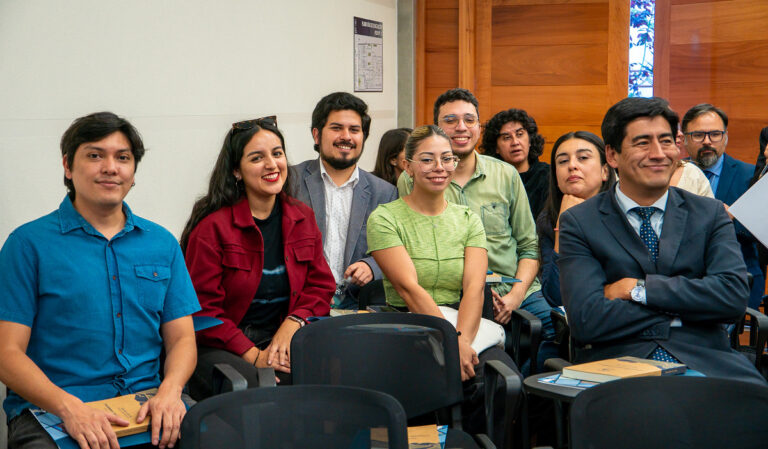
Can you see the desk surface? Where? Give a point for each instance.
(559, 392)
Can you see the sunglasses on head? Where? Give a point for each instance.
(270, 120)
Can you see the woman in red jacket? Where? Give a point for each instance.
(255, 256)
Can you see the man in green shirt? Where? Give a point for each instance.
(494, 191)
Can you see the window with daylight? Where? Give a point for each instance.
(641, 25)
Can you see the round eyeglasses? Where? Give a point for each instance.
(428, 164)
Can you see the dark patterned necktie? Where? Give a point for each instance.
(647, 234)
(651, 241)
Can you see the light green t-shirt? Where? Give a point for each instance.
(496, 193)
(435, 243)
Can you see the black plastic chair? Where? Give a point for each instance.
(306, 417)
(758, 339)
(670, 411)
(413, 357)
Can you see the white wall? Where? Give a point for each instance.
(182, 72)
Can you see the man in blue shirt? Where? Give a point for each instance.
(706, 138)
(89, 296)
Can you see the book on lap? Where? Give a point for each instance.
(126, 407)
(621, 368)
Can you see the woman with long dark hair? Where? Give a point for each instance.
(255, 256)
(390, 160)
(578, 171)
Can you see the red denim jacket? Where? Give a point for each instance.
(225, 258)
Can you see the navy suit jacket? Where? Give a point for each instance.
(699, 277)
(735, 179)
(369, 192)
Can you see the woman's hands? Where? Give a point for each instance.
(467, 358)
(278, 354)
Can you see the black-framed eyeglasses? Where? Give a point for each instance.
(699, 136)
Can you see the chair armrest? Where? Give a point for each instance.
(524, 333)
(758, 335)
(562, 334)
(513, 395)
(484, 442)
(226, 379)
(556, 364)
(267, 377)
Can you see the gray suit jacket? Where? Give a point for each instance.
(369, 192)
(699, 277)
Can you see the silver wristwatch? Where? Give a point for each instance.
(638, 291)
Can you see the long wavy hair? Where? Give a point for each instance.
(555, 198)
(223, 189)
(390, 145)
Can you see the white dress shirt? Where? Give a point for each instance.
(338, 208)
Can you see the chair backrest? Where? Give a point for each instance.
(413, 357)
(670, 411)
(307, 416)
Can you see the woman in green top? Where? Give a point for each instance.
(430, 251)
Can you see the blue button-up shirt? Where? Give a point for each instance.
(94, 305)
(716, 170)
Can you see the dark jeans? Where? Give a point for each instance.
(24, 432)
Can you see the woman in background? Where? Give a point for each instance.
(513, 137)
(578, 171)
(255, 256)
(390, 160)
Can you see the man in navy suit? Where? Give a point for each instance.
(340, 193)
(649, 270)
(706, 138)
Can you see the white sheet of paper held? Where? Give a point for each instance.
(751, 209)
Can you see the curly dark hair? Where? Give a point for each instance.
(493, 127)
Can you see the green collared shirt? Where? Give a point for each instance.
(496, 193)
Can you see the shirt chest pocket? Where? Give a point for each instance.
(495, 218)
(304, 253)
(152, 284)
(236, 257)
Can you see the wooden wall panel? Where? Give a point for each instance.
(442, 29)
(725, 62)
(566, 105)
(548, 65)
(717, 54)
(551, 57)
(548, 25)
(441, 69)
(731, 21)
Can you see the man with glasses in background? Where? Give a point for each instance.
(706, 137)
(494, 191)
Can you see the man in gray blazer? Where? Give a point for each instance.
(340, 193)
(649, 270)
